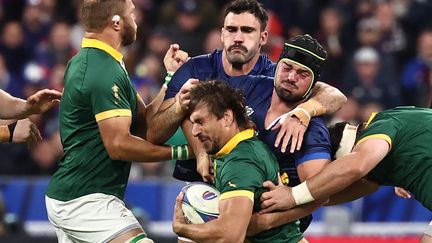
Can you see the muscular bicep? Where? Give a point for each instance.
(235, 214)
(114, 130)
(370, 152)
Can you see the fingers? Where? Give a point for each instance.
(171, 50)
(181, 56)
(267, 209)
(51, 94)
(294, 140)
(179, 199)
(284, 134)
(300, 137)
(269, 185)
(174, 47)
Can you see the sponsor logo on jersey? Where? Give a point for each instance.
(249, 110)
(116, 89)
(231, 184)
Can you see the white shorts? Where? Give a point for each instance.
(95, 217)
(428, 230)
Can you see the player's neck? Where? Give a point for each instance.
(238, 71)
(279, 106)
(108, 37)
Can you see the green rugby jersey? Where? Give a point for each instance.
(240, 168)
(97, 87)
(408, 164)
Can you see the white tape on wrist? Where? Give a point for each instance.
(303, 110)
(301, 194)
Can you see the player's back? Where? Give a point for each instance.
(409, 161)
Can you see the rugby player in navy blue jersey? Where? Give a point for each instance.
(243, 34)
(270, 101)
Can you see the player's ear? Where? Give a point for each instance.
(264, 38)
(115, 21)
(228, 117)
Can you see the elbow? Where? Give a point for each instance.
(115, 149)
(342, 99)
(355, 172)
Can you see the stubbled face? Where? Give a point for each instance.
(129, 30)
(207, 128)
(292, 80)
(242, 38)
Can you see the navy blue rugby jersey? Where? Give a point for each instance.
(206, 67)
(258, 91)
(209, 67)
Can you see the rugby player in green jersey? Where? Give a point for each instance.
(392, 148)
(101, 127)
(241, 164)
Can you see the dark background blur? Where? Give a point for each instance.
(379, 55)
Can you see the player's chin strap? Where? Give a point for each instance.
(140, 238)
(347, 142)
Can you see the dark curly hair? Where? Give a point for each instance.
(220, 97)
(248, 6)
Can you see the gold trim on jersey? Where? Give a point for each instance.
(112, 113)
(379, 136)
(93, 43)
(372, 116)
(237, 193)
(232, 143)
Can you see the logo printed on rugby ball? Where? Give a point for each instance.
(207, 195)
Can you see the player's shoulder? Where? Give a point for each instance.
(251, 149)
(267, 67)
(205, 60)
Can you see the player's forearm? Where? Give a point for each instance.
(287, 216)
(335, 177)
(13, 108)
(133, 148)
(329, 97)
(356, 190)
(164, 123)
(195, 144)
(155, 104)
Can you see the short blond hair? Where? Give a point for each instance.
(97, 14)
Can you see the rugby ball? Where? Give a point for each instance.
(200, 203)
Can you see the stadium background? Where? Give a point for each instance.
(379, 55)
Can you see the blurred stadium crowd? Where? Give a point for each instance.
(379, 55)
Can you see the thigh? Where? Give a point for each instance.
(92, 218)
(63, 237)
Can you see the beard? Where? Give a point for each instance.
(129, 35)
(287, 96)
(237, 59)
(211, 146)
